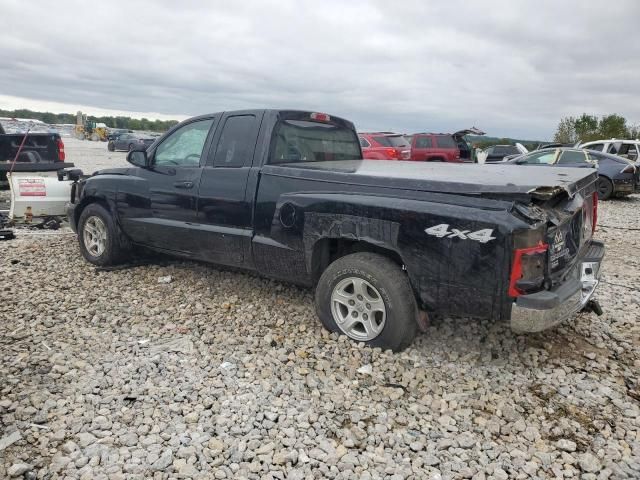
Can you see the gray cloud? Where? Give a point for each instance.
(511, 68)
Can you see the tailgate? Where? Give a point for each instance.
(571, 230)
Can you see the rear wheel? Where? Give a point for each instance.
(605, 188)
(130, 147)
(368, 298)
(101, 241)
(111, 146)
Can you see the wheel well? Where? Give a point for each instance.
(88, 201)
(328, 250)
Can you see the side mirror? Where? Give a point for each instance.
(137, 158)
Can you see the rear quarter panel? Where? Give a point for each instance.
(451, 275)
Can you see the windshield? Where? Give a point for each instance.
(392, 141)
(304, 141)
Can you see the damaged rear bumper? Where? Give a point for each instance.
(546, 309)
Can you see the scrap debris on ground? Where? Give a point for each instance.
(124, 374)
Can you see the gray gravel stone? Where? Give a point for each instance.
(221, 374)
(566, 445)
(589, 463)
(165, 460)
(17, 469)
(10, 439)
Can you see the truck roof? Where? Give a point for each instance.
(286, 113)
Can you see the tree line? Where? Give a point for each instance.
(586, 128)
(111, 122)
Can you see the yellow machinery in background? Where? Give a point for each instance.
(88, 130)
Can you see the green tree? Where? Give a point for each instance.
(566, 132)
(613, 126)
(586, 127)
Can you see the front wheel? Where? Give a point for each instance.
(605, 188)
(111, 146)
(368, 298)
(130, 147)
(101, 241)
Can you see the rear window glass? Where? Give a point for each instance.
(571, 156)
(304, 141)
(445, 141)
(505, 150)
(392, 141)
(596, 147)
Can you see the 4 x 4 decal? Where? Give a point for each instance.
(442, 230)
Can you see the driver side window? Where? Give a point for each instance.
(183, 147)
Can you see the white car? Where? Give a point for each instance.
(623, 148)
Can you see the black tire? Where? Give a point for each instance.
(116, 246)
(605, 188)
(130, 146)
(393, 286)
(111, 147)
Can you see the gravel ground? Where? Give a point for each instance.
(128, 374)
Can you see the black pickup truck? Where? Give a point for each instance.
(40, 152)
(286, 194)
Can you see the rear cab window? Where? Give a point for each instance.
(302, 140)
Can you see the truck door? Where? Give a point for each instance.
(159, 208)
(225, 203)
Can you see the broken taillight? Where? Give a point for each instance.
(391, 153)
(61, 154)
(527, 271)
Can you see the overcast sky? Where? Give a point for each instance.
(512, 68)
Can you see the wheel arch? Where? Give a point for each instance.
(327, 250)
(85, 202)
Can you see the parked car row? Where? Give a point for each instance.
(617, 176)
(624, 148)
(418, 147)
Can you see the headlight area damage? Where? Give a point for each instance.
(556, 266)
